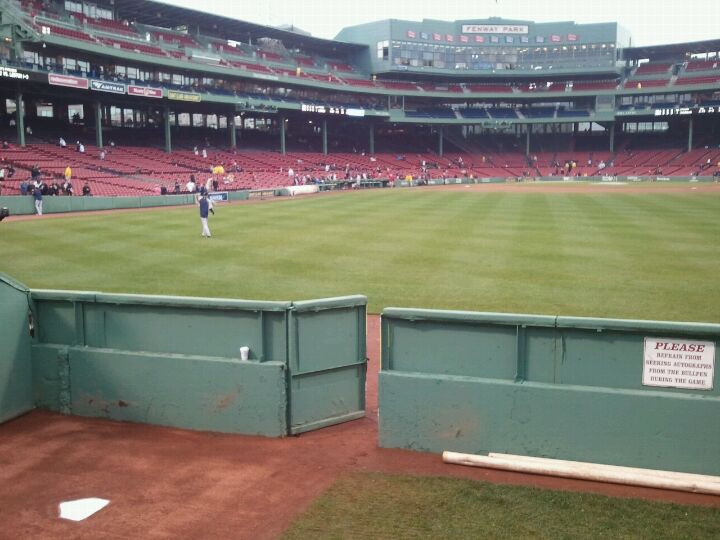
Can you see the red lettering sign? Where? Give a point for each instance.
(145, 91)
(68, 80)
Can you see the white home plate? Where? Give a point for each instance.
(82, 508)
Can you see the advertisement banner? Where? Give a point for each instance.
(12, 73)
(144, 91)
(183, 96)
(106, 86)
(68, 80)
(411, 34)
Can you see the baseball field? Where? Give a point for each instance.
(649, 253)
(644, 252)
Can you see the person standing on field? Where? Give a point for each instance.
(37, 195)
(206, 207)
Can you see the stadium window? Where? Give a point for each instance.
(383, 49)
(75, 7)
(31, 57)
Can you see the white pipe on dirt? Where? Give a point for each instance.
(596, 473)
(580, 465)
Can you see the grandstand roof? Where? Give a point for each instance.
(672, 50)
(169, 16)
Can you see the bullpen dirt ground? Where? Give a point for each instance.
(171, 483)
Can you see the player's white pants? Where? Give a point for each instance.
(38, 207)
(206, 230)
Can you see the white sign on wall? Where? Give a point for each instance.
(494, 29)
(678, 363)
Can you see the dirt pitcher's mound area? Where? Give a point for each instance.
(585, 187)
(171, 483)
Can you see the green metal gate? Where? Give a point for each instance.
(327, 362)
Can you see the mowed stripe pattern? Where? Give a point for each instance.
(647, 256)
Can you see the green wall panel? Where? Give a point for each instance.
(559, 387)
(189, 392)
(638, 429)
(175, 360)
(16, 396)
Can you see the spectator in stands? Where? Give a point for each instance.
(35, 173)
(77, 146)
(176, 190)
(102, 154)
(86, 190)
(54, 189)
(62, 143)
(195, 151)
(163, 190)
(24, 188)
(82, 148)
(68, 173)
(191, 184)
(6, 145)
(67, 188)
(28, 131)
(111, 143)
(12, 122)
(10, 171)
(204, 153)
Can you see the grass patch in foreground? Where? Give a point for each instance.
(375, 505)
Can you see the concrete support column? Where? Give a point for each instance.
(690, 134)
(324, 137)
(440, 141)
(527, 140)
(612, 137)
(20, 118)
(122, 116)
(282, 135)
(98, 125)
(135, 118)
(371, 142)
(231, 130)
(166, 122)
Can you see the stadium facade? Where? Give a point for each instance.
(136, 63)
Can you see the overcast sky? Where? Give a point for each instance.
(649, 22)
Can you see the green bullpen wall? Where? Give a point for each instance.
(558, 387)
(16, 396)
(23, 205)
(176, 361)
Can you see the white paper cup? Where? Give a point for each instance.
(244, 353)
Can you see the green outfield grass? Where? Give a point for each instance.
(394, 506)
(647, 256)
